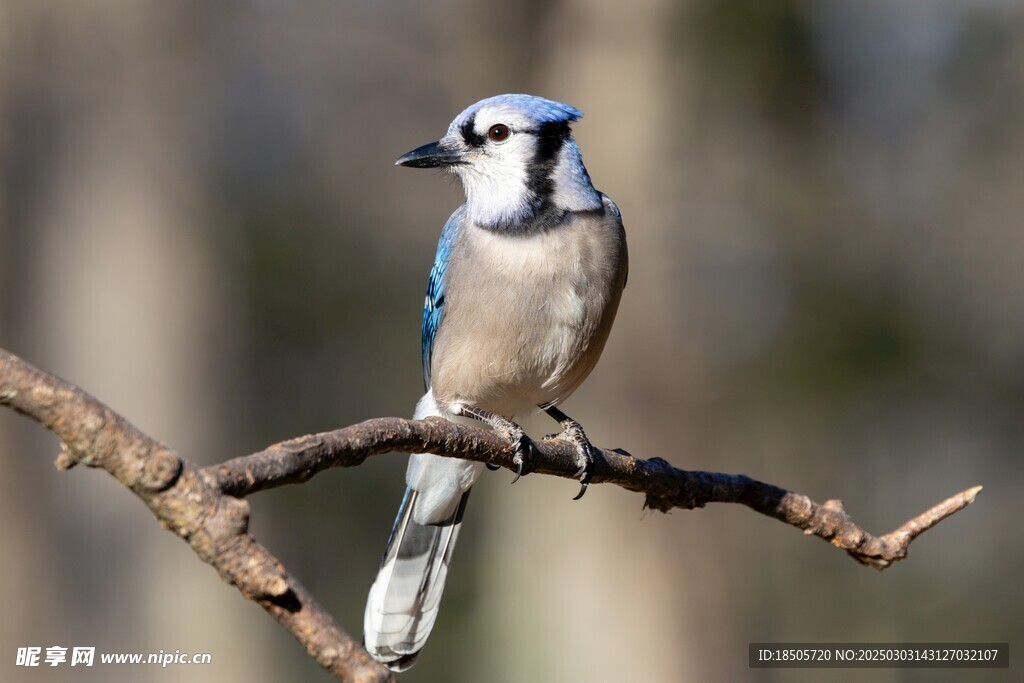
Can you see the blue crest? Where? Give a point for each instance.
(537, 108)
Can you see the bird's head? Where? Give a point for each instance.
(516, 158)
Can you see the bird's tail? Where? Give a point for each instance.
(404, 599)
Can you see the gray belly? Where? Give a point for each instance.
(526, 317)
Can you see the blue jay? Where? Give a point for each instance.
(524, 288)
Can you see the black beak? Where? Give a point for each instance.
(431, 155)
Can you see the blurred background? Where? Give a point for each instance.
(201, 224)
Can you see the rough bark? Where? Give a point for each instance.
(205, 506)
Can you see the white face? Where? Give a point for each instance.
(498, 149)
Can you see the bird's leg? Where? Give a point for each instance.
(573, 433)
(513, 432)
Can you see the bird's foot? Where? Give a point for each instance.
(522, 444)
(517, 438)
(574, 434)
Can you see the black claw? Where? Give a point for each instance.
(573, 433)
(492, 468)
(518, 461)
(522, 446)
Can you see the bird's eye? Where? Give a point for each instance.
(499, 132)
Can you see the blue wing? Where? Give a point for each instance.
(433, 307)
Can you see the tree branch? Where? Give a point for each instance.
(204, 506)
(187, 502)
(665, 486)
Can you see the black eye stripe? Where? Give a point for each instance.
(472, 138)
(551, 138)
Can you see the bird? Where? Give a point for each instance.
(525, 285)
